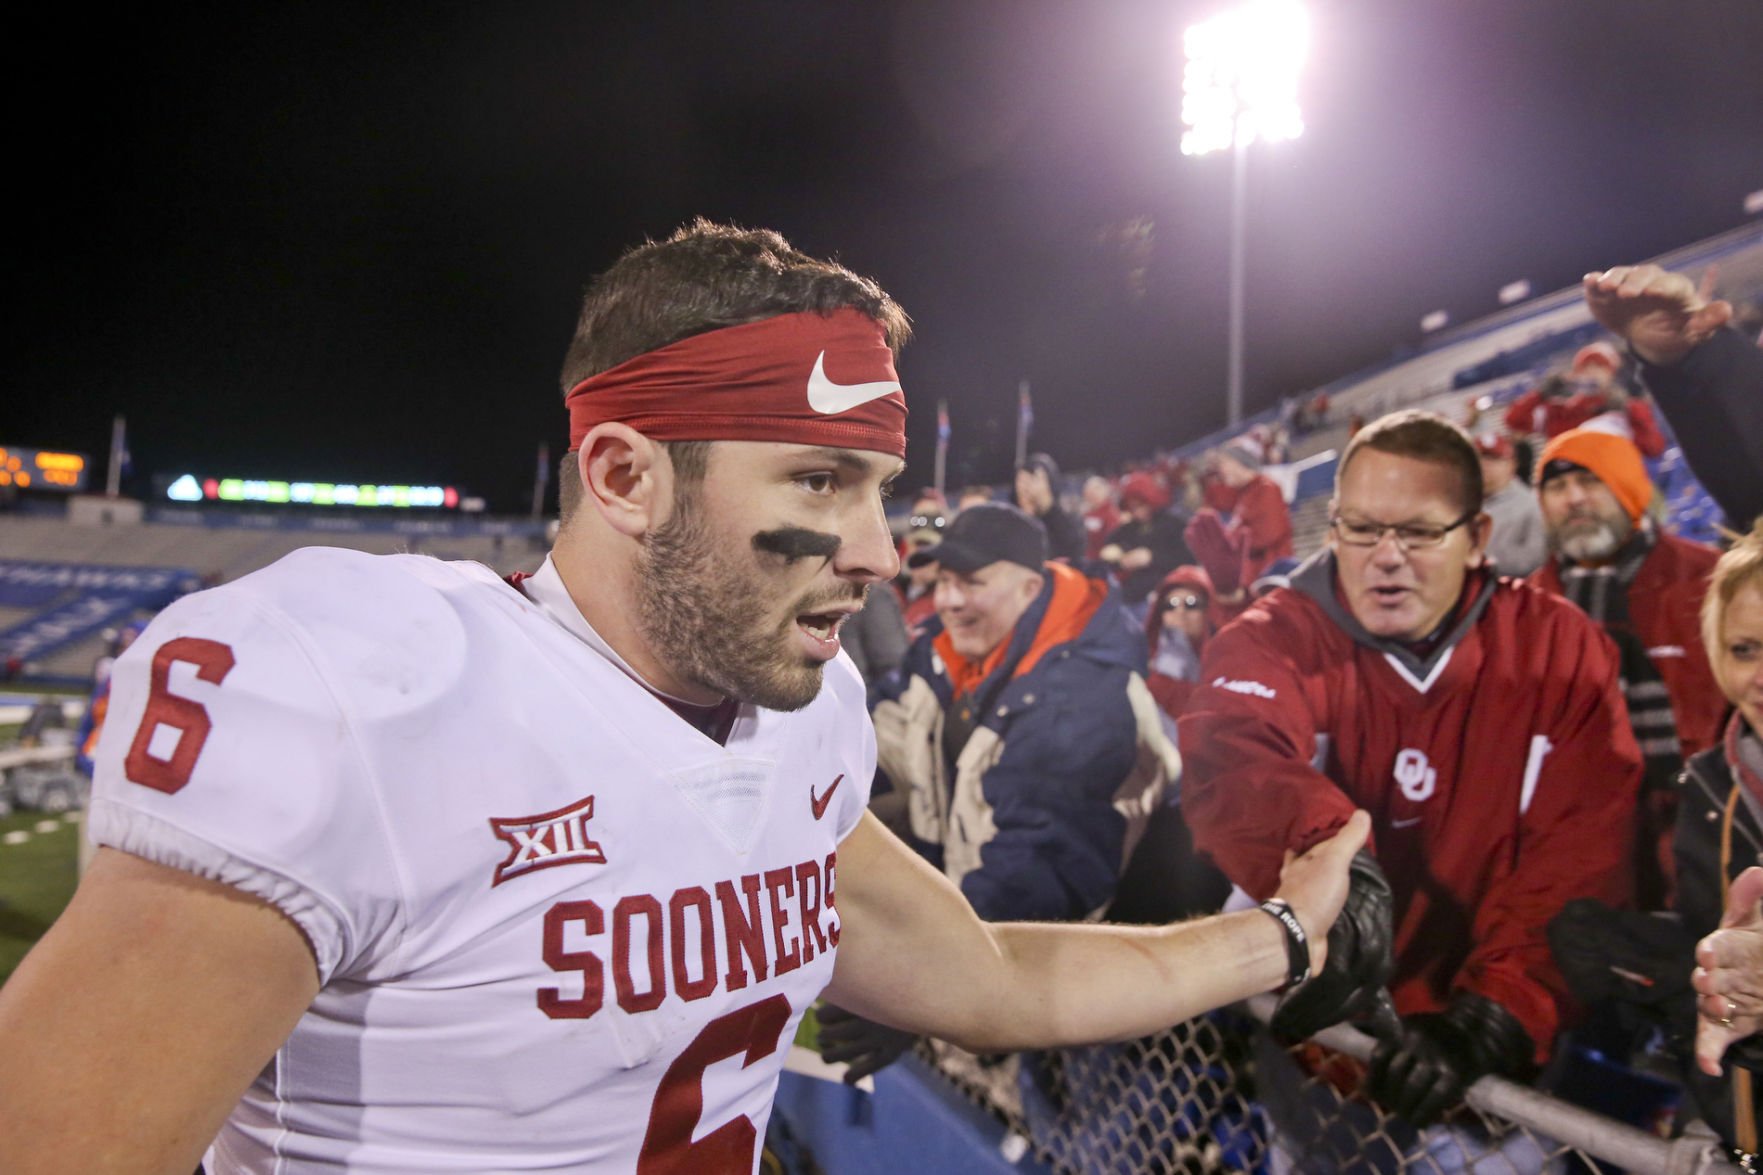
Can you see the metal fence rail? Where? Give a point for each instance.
(1216, 1094)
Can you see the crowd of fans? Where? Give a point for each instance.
(1134, 703)
(1550, 703)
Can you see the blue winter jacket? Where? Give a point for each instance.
(1036, 812)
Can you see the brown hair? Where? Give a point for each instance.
(704, 277)
(1740, 567)
(1422, 436)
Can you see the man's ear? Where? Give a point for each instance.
(1481, 529)
(626, 478)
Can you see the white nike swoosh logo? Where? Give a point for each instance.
(1410, 823)
(829, 398)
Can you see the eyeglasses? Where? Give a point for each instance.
(1410, 536)
(921, 521)
(1192, 601)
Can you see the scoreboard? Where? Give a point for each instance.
(42, 469)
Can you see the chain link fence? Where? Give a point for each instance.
(1217, 1094)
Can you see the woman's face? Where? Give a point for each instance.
(1739, 665)
(1185, 608)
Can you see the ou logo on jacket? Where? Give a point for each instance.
(1417, 780)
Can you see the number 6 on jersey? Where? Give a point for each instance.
(186, 719)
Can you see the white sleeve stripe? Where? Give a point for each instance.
(152, 839)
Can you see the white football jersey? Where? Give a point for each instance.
(557, 927)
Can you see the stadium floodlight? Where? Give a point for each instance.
(1241, 79)
(1240, 84)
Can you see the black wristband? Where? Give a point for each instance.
(1297, 942)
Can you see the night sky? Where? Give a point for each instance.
(345, 243)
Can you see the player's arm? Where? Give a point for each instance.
(133, 1027)
(913, 954)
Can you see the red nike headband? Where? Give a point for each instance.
(809, 378)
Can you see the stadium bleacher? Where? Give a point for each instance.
(216, 554)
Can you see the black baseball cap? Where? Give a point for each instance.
(987, 533)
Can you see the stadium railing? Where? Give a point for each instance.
(1217, 1094)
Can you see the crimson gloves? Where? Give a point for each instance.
(1219, 550)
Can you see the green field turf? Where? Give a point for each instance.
(36, 881)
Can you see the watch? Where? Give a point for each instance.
(1297, 942)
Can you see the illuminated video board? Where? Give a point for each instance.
(42, 469)
(190, 488)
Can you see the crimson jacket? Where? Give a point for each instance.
(1664, 609)
(1499, 771)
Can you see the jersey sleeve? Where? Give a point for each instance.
(226, 754)
(1248, 739)
(1575, 832)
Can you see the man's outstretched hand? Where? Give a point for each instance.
(1729, 974)
(1661, 315)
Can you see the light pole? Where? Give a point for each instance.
(1240, 84)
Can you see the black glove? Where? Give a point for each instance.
(1639, 960)
(1621, 954)
(1359, 960)
(1441, 1054)
(865, 1046)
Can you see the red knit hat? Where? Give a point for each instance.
(1598, 352)
(1142, 487)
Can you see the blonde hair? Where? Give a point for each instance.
(1740, 567)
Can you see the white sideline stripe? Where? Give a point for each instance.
(19, 836)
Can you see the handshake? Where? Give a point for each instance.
(1424, 1063)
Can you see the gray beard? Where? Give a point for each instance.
(1590, 546)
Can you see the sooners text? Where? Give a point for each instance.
(730, 934)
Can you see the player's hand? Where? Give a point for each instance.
(1314, 883)
(1357, 959)
(1662, 315)
(1438, 1056)
(1729, 974)
(864, 1046)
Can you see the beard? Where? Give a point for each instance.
(698, 609)
(1590, 539)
